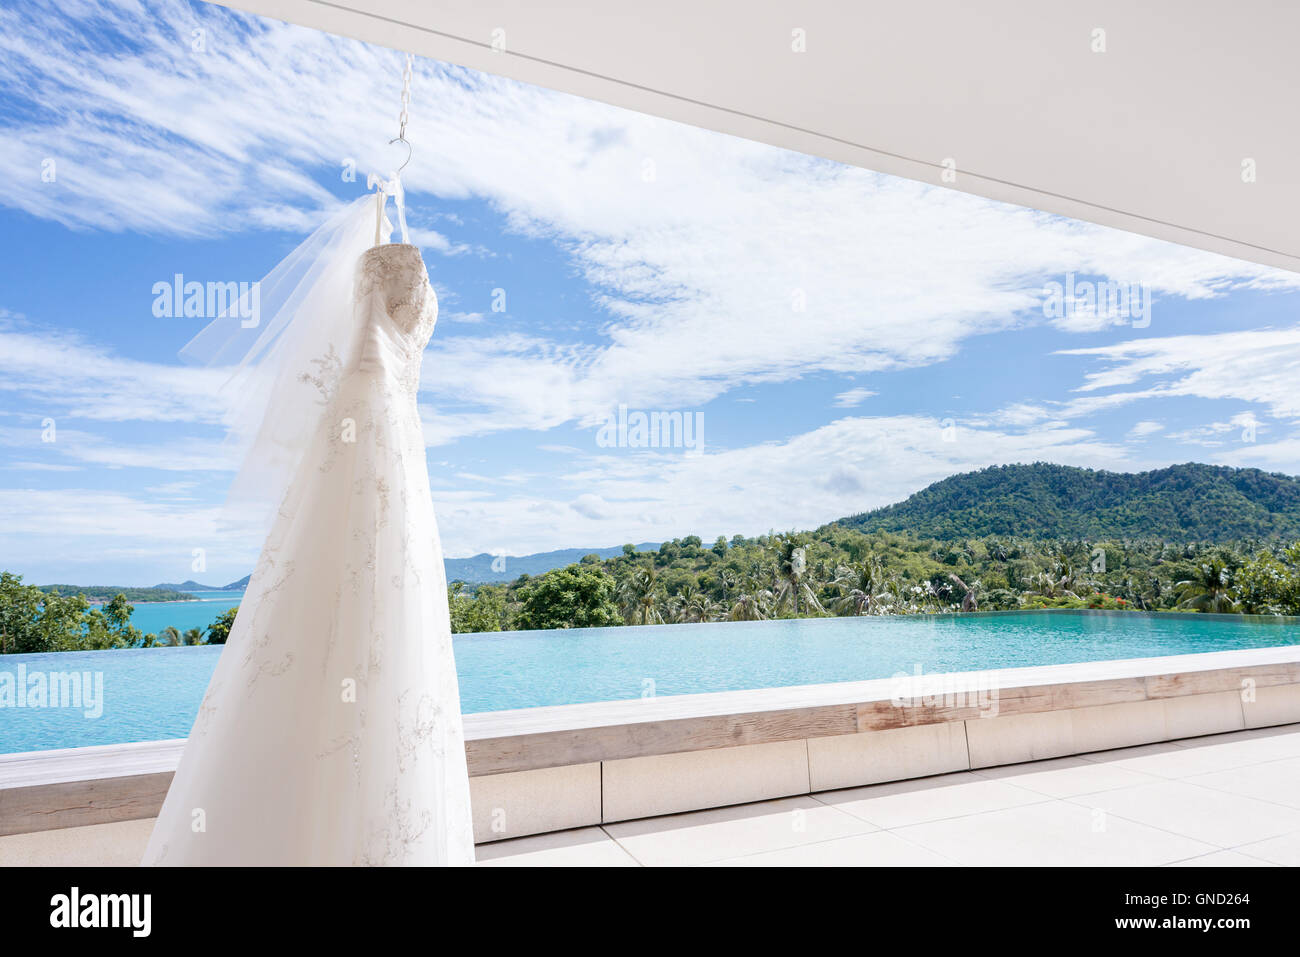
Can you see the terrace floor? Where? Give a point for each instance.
(1228, 799)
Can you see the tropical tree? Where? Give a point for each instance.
(699, 608)
(577, 596)
(1270, 584)
(484, 610)
(728, 582)
(1057, 583)
(862, 586)
(753, 604)
(794, 590)
(968, 602)
(219, 630)
(638, 597)
(1208, 588)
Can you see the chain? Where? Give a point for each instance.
(405, 115)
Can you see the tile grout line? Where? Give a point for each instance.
(913, 841)
(1076, 800)
(832, 840)
(1127, 820)
(1098, 757)
(855, 820)
(1157, 827)
(1221, 770)
(1241, 848)
(623, 847)
(1197, 857)
(1041, 799)
(1235, 794)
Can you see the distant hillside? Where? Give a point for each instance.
(479, 567)
(192, 585)
(1180, 503)
(476, 569)
(106, 593)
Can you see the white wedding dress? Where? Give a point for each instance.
(331, 731)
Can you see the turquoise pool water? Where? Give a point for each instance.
(154, 693)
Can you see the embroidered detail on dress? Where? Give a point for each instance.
(329, 368)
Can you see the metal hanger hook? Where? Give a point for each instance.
(409, 151)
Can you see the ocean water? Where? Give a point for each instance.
(154, 616)
(154, 693)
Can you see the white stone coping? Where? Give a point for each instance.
(571, 717)
(36, 768)
(499, 741)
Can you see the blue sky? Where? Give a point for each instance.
(643, 263)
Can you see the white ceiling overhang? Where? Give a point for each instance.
(1149, 136)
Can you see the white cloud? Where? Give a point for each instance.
(61, 373)
(712, 250)
(592, 506)
(1214, 434)
(1020, 414)
(183, 454)
(852, 398)
(1145, 428)
(1089, 320)
(847, 466)
(59, 532)
(432, 239)
(1256, 366)
(696, 274)
(1280, 456)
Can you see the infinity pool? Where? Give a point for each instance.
(154, 693)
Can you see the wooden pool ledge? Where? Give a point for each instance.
(546, 769)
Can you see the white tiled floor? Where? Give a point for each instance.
(1224, 800)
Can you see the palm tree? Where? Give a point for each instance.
(968, 603)
(638, 595)
(902, 598)
(1058, 583)
(691, 605)
(752, 605)
(727, 581)
(699, 608)
(861, 585)
(193, 636)
(169, 636)
(1208, 588)
(792, 575)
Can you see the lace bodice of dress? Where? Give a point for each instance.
(396, 273)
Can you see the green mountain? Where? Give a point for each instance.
(106, 593)
(1192, 502)
(192, 585)
(480, 568)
